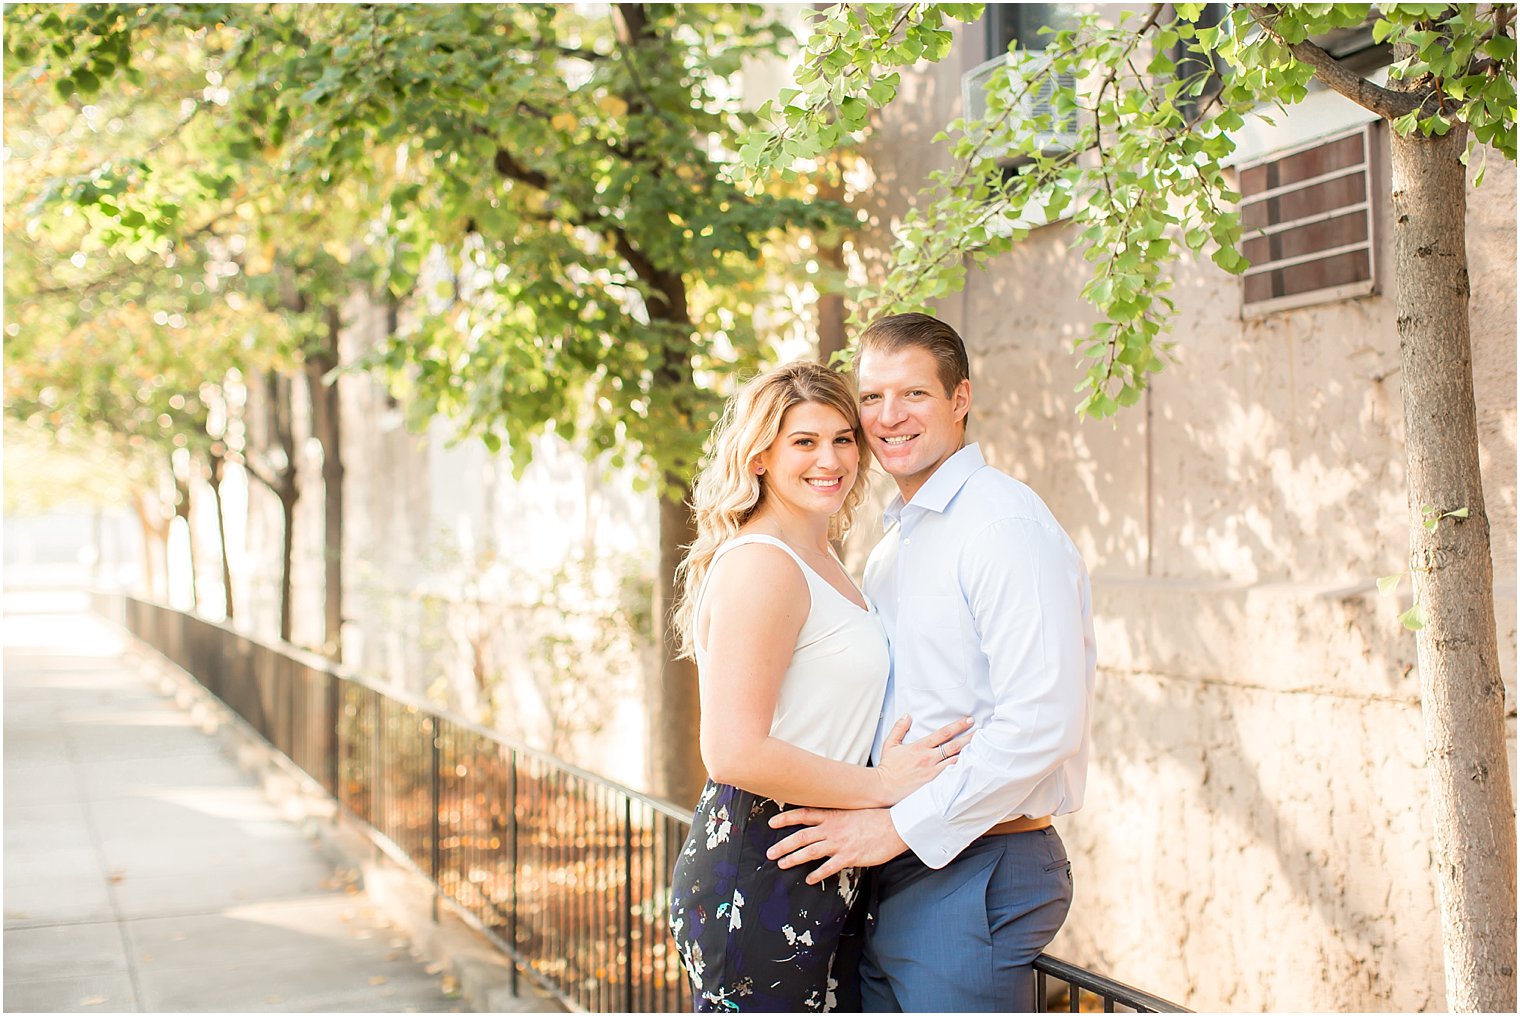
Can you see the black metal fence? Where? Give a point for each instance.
(565, 871)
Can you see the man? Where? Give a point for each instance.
(989, 610)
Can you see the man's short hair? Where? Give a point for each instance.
(901, 331)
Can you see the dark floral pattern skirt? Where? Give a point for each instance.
(753, 936)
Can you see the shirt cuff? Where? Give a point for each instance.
(926, 832)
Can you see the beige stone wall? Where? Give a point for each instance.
(1256, 833)
(452, 568)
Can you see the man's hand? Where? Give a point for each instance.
(845, 839)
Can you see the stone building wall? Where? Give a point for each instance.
(1256, 833)
(512, 602)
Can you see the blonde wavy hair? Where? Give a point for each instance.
(728, 493)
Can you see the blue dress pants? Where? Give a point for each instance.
(963, 938)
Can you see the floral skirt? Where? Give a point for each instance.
(753, 936)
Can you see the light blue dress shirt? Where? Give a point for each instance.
(988, 607)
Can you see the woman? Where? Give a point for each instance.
(792, 663)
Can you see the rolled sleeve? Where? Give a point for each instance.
(1029, 602)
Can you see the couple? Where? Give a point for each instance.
(902, 873)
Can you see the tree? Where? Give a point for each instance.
(132, 346)
(554, 177)
(130, 305)
(1145, 181)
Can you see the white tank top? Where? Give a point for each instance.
(831, 695)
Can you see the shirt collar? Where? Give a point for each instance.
(941, 487)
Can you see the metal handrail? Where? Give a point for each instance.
(566, 871)
(1110, 992)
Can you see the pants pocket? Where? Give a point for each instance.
(1056, 850)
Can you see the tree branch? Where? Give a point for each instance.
(630, 25)
(1385, 102)
(122, 270)
(507, 165)
(1113, 75)
(588, 55)
(668, 285)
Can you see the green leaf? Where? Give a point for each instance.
(939, 45)
(1413, 618)
(1388, 583)
(1231, 260)
(1500, 47)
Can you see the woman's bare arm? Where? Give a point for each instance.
(755, 605)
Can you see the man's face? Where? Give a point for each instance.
(912, 425)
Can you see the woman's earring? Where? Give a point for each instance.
(760, 471)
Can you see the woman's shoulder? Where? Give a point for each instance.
(755, 582)
(748, 551)
(757, 562)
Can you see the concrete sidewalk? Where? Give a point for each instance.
(144, 872)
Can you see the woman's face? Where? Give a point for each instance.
(812, 464)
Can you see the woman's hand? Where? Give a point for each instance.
(906, 767)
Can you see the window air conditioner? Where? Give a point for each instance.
(1058, 134)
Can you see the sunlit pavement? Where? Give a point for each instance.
(143, 871)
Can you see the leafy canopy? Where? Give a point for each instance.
(542, 186)
(117, 336)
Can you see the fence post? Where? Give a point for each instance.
(334, 734)
(285, 687)
(434, 795)
(512, 908)
(625, 923)
(379, 798)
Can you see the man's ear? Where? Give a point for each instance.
(960, 400)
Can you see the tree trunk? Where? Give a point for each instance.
(287, 556)
(182, 511)
(218, 466)
(326, 426)
(832, 337)
(98, 545)
(155, 549)
(281, 480)
(1461, 692)
(675, 751)
(676, 769)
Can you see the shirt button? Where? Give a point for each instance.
(907, 540)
